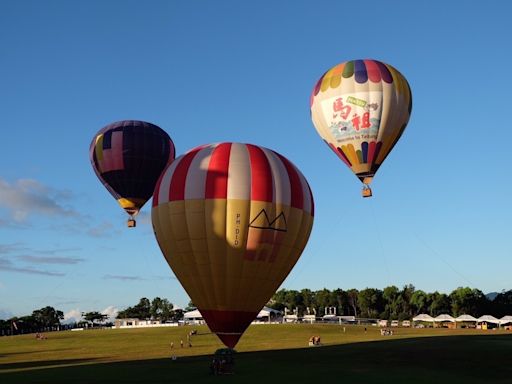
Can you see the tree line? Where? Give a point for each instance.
(392, 303)
(41, 320)
(156, 309)
(49, 319)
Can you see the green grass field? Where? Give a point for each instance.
(266, 353)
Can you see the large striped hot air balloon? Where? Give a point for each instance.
(231, 220)
(360, 108)
(128, 158)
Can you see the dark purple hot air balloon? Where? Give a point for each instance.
(128, 157)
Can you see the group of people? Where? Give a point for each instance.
(189, 340)
(386, 332)
(314, 340)
(40, 336)
(221, 366)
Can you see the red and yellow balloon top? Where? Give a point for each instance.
(231, 220)
(360, 109)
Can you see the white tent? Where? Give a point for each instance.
(466, 318)
(488, 319)
(423, 317)
(195, 314)
(506, 320)
(266, 312)
(444, 317)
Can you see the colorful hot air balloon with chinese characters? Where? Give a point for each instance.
(128, 158)
(360, 109)
(231, 220)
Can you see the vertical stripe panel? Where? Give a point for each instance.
(297, 199)
(261, 176)
(177, 185)
(217, 177)
(161, 194)
(282, 190)
(239, 170)
(195, 185)
(306, 194)
(117, 150)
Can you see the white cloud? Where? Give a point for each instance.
(123, 277)
(72, 316)
(105, 229)
(50, 259)
(7, 265)
(24, 197)
(5, 314)
(111, 311)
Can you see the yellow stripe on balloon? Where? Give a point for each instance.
(127, 202)
(336, 75)
(98, 148)
(350, 152)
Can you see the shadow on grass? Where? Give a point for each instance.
(453, 359)
(43, 363)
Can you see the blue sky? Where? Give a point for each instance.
(209, 71)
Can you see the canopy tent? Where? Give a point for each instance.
(267, 311)
(466, 318)
(444, 317)
(195, 314)
(423, 317)
(506, 320)
(488, 319)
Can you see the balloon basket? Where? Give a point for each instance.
(131, 223)
(223, 362)
(366, 192)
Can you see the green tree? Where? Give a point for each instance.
(439, 303)
(140, 311)
(161, 309)
(465, 300)
(391, 306)
(370, 302)
(95, 317)
(352, 295)
(502, 304)
(419, 302)
(48, 316)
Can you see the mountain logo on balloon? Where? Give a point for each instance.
(262, 221)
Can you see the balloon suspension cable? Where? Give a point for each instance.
(367, 191)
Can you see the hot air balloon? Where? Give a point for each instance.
(360, 109)
(231, 220)
(128, 158)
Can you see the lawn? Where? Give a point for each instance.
(266, 353)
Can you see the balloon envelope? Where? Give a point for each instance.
(360, 109)
(128, 157)
(231, 220)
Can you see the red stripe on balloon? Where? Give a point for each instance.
(297, 198)
(228, 325)
(312, 200)
(156, 192)
(373, 71)
(217, 176)
(179, 177)
(371, 152)
(261, 175)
